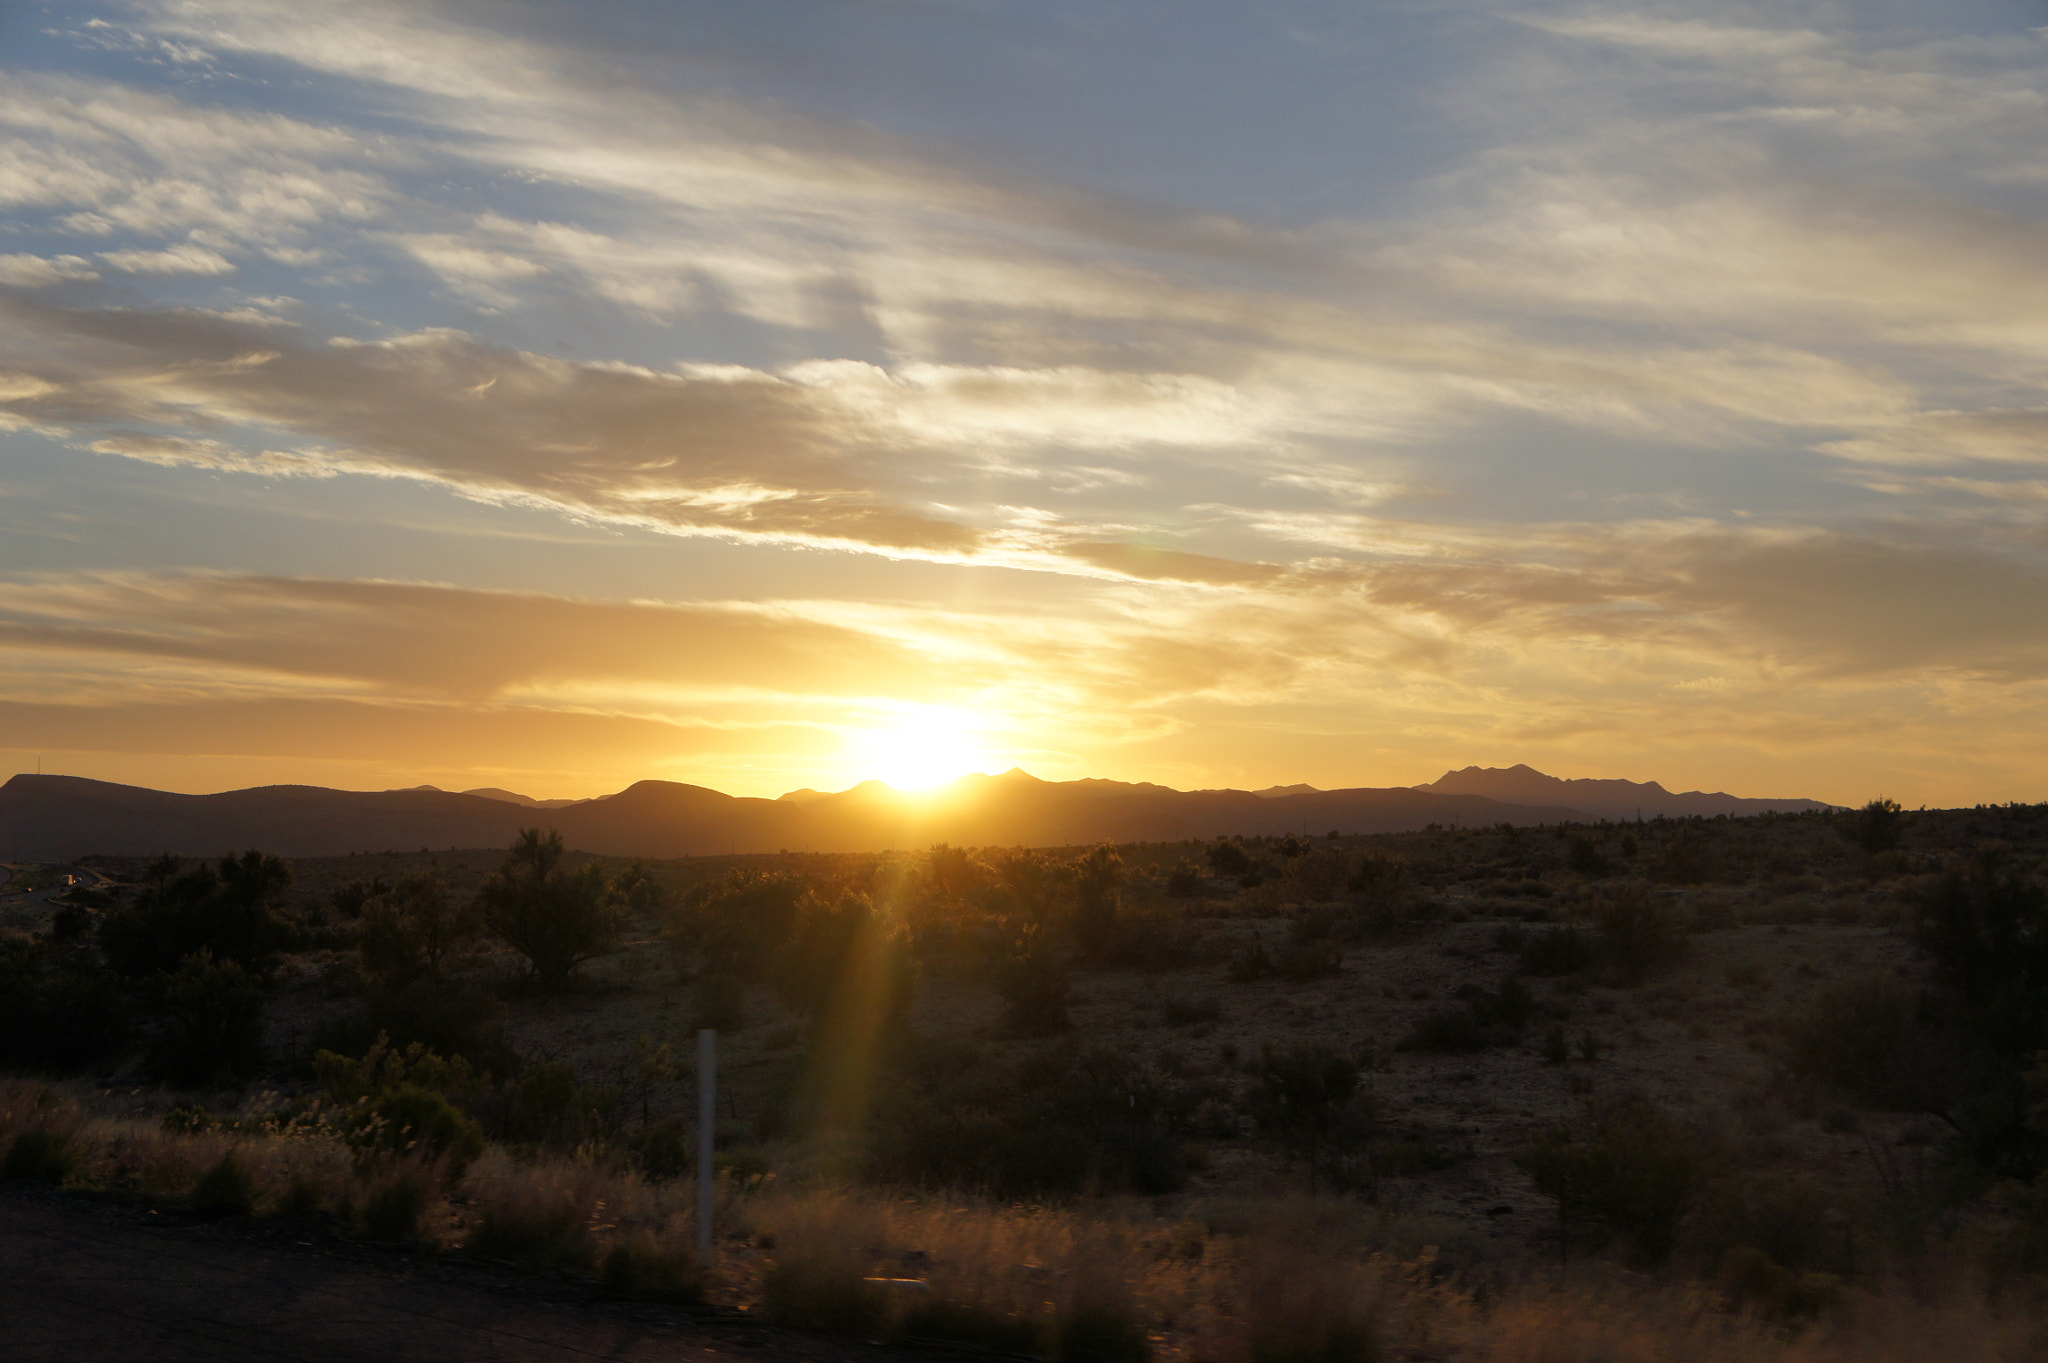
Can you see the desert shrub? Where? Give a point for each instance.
(1557, 951)
(1302, 962)
(645, 1267)
(231, 910)
(1587, 860)
(1753, 1282)
(394, 1199)
(1064, 1121)
(538, 1217)
(1149, 942)
(413, 928)
(1864, 1039)
(1305, 1095)
(1486, 1018)
(1253, 963)
(39, 1154)
(1302, 1309)
(447, 1019)
(1379, 879)
(227, 1189)
(1639, 936)
(1630, 1169)
(1095, 879)
(213, 1024)
(1685, 860)
(59, 1011)
(385, 1066)
(555, 917)
(410, 1120)
(1030, 972)
(1184, 882)
(1784, 1219)
(1317, 876)
(73, 920)
(1228, 859)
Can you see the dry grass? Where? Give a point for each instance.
(1270, 1282)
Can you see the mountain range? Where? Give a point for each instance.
(57, 818)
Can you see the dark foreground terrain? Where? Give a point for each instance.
(81, 1280)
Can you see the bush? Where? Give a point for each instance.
(1863, 1039)
(399, 1194)
(1031, 975)
(39, 1155)
(1488, 1018)
(1303, 1095)
(214, 1023)
(1062, 1122)
(644, 1267)
(446, 1019)
(231, 911)
(410, 1120)
(1639, 935)
(1631, 1170)
(413, 928)
(540, 1222)
(227, 1189)
(1559, 951)
(1784, 1219)
(59, 1011)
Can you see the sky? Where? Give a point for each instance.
(550, 396)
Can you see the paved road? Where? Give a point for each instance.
(80, 1283)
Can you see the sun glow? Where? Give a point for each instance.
(920, 750)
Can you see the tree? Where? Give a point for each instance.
(231, 910)
(410, 929)
(1878, 825)
(556, 918)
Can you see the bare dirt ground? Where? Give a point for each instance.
(85, 1281)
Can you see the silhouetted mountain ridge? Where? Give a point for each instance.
(54, 818)
(1603, 799)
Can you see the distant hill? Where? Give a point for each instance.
(55, 818)
(1522, 784)
(51, 818)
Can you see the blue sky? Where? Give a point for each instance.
(548, 396)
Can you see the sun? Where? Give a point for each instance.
(919, 750)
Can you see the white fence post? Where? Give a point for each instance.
(707, 1130)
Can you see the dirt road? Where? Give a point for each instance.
(81, 1283)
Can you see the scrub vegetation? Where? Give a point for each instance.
(1761, 1088)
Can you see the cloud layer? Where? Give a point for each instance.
(1682, 395)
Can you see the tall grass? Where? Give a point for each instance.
(1299, 1281)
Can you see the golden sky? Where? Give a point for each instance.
(551, 396)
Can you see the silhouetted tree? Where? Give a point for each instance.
(232, 910)
(410, 929)
(556, 918)
(1878, 825)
